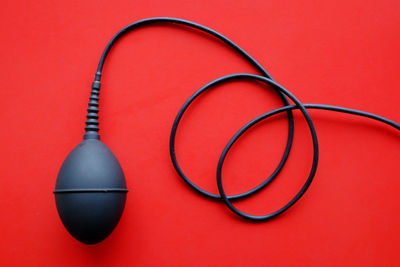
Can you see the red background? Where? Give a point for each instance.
(333, 52)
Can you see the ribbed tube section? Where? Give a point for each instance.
(92, 122)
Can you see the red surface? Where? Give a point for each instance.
(338, 52)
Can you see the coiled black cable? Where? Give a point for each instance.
(92, 118)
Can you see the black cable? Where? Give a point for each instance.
(92, 121)
(264, 116)
(276, 86)
(92, 117)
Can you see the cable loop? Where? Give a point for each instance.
(92, 122)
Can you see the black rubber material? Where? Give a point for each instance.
(219, 182)
(173, 136)
(90, 191)
(92, 122)
(92, 125)
(226, 199)
(314, 166)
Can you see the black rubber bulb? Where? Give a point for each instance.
(91, 190)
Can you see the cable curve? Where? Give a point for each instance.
(91, 129)
(92, 116)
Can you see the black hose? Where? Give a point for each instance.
(92, 118)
